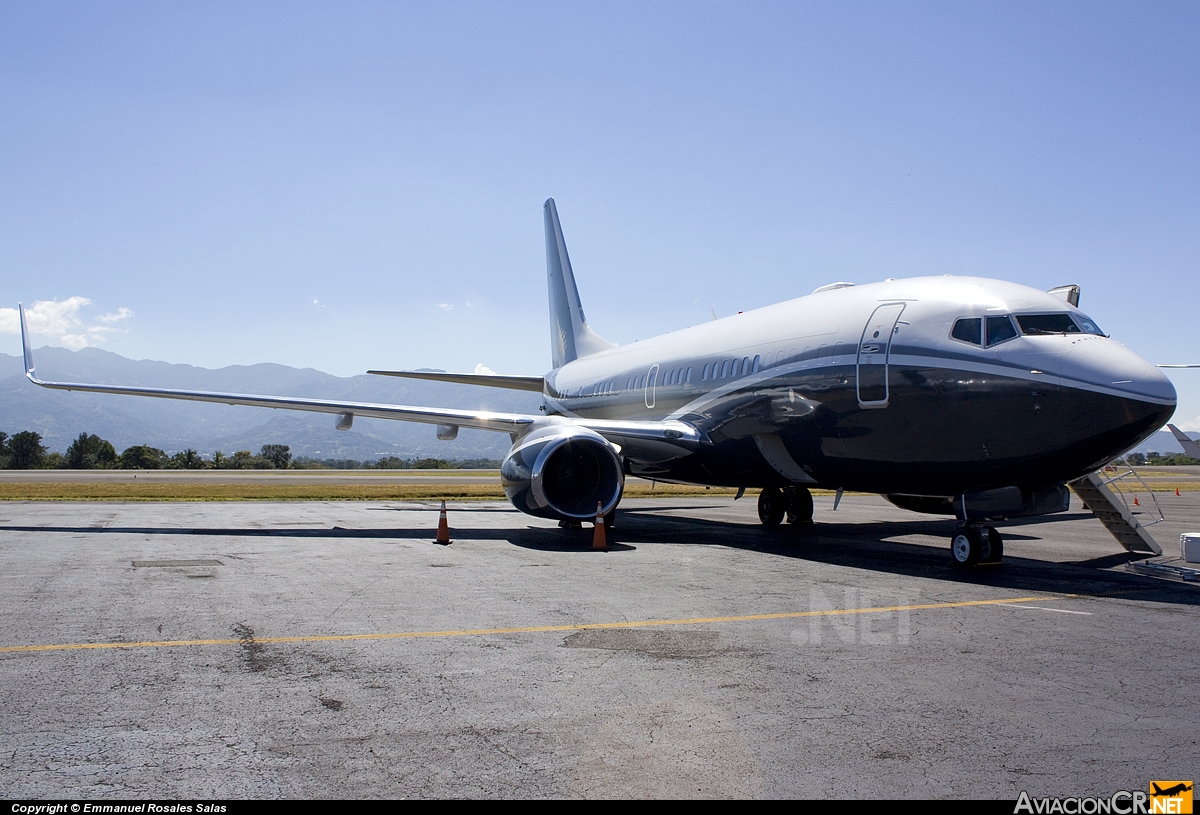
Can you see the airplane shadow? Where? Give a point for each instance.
(870, 545)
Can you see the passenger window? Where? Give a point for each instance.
(725, 369)
(745, 365)
(1000, 329)
(968, 330)
(688, 377)
(754, 367)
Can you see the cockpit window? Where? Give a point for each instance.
(1047, 324)
(968, 329)
(999, 329)
(1088, 325)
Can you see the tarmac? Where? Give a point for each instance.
(330, 649)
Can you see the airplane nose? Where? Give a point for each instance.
(1108, 366)
(1121, 398)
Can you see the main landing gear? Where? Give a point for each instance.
(794, 503)
(975, 545)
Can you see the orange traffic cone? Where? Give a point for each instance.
(1177, 492)
(1135, 501)
(443, 533)
(599, 541)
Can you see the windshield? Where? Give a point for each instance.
(1047, 324)
(1088, 325)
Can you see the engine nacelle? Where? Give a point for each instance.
(562, 472)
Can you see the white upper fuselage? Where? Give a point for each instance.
(827, 328)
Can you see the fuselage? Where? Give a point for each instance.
(882, 388)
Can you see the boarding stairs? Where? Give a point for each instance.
(1109, 494)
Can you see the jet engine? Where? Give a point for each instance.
(562, 472)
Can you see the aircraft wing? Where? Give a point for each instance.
(620, 432)
(1190, 448)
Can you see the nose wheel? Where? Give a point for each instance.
(976, 545)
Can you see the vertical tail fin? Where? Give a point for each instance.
(1190, 448)
(570, 335)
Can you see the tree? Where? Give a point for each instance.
(245, 460)
(88, 453)
(278, 454)
(187, 459)
(25, 451)
(143, 457)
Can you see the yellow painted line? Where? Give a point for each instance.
(533, 629)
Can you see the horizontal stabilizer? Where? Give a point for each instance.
(517, 383)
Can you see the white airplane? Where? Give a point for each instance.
(956, 395)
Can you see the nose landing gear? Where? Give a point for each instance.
(974, 545)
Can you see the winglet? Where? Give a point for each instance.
(1190, 448)
(25, 347)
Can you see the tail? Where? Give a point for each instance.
(1190, 448)
(570, 336)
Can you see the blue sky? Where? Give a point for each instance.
(346, 186)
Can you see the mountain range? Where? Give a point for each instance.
(60, 416)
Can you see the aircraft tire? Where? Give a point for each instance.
(771, 506)
(993, 547)
(799, 505)
(966, 546)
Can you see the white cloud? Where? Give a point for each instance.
(122, 313)
(483, 369)
(446, 306)
(61, 321)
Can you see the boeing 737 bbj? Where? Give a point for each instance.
(956, 395)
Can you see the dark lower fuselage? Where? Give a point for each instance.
(943, 431)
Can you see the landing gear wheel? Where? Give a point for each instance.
(966, 546)
(771, 506)
(799, 505)
(992, 550)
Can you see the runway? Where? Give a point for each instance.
(329, 649)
